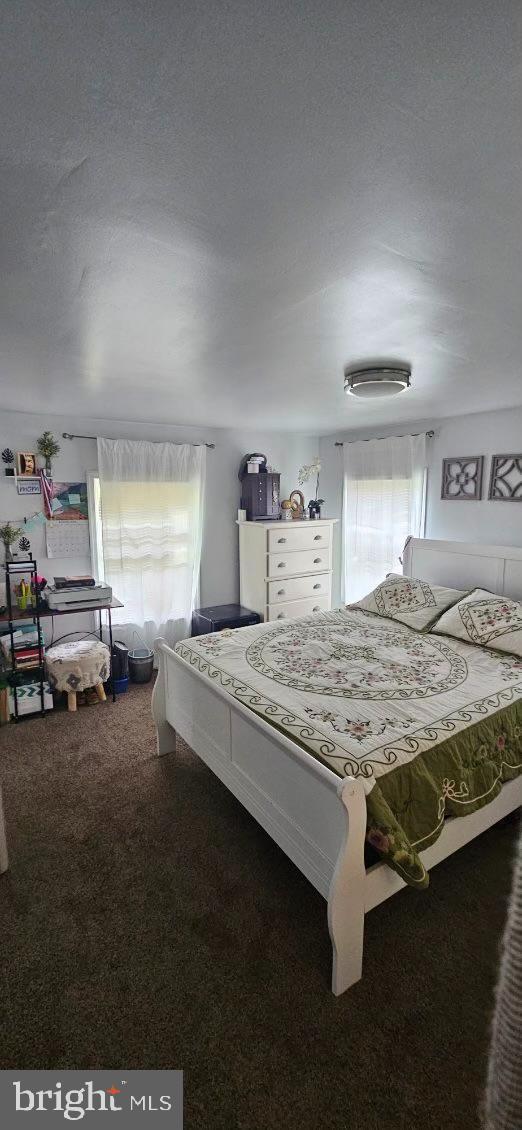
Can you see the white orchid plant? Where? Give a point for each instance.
(305, 474)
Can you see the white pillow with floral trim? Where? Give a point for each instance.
(409, 600)
(485, 619)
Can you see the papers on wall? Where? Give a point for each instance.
(34, 520)
(67, 539)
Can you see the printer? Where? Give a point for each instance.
(82, 596)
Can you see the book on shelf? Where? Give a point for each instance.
(31, 641)
(27, 661)
(27, 657)
(20, 643)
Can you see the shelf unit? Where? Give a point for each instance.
(22, 569)
(44, 612)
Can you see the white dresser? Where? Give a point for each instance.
(286, 567)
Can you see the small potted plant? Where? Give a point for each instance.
(8, 459)
(48, 448)
(9, 534)
(307, 472)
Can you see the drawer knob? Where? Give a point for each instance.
(317, 586)
(318, 537)
(281, 541)
(282, 565)
(280, 592)
(280, 615)
(317, 560)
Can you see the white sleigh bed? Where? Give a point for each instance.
(318, 819)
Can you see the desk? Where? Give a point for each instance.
(43, 612)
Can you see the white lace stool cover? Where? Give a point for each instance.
(75, 666)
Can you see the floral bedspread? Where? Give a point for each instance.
(432, 726)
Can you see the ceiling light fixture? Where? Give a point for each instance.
(376, 381)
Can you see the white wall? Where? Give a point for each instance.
(486, 433)
(220, 564)
(494, 523)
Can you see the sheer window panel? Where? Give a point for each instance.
(383, 502)
(151, 516)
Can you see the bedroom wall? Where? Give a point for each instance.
(220, 562)
(494, 523)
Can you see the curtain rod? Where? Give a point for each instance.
(340, 442)
(68, 435)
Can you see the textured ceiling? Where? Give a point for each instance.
(208, 208)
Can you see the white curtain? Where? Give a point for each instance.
(383, 502)
(151, 497)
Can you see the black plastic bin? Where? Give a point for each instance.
(120, 666)
(120, 660)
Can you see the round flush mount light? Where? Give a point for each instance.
(376, 381)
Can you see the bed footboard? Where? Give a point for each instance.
(165, 734)
(318, 820)
(347, 895)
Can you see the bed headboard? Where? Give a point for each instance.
(460, 565)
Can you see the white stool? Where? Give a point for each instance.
(72, 667)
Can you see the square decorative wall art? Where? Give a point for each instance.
(69, 502)
(462, 477)
(505, 483)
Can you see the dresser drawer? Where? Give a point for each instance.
(294, 608)
(297, 588)
(305, 561)
(290, 540)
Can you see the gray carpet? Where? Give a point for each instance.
(147, 921)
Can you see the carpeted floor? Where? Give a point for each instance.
(147, 921)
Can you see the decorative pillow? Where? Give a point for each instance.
(409, 600)
(485, 619)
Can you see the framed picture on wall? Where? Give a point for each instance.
(26, 463)
(462, 478)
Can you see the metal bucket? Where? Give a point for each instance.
(141, 662)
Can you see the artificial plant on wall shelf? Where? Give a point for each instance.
(8, 459)
(9, 534)
(48, 448)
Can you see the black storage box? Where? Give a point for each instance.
(260, 496)
(220, 616)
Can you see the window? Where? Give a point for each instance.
(384, 493)
(146, 505)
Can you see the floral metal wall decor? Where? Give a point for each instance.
(462, 477)
(505, 482)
